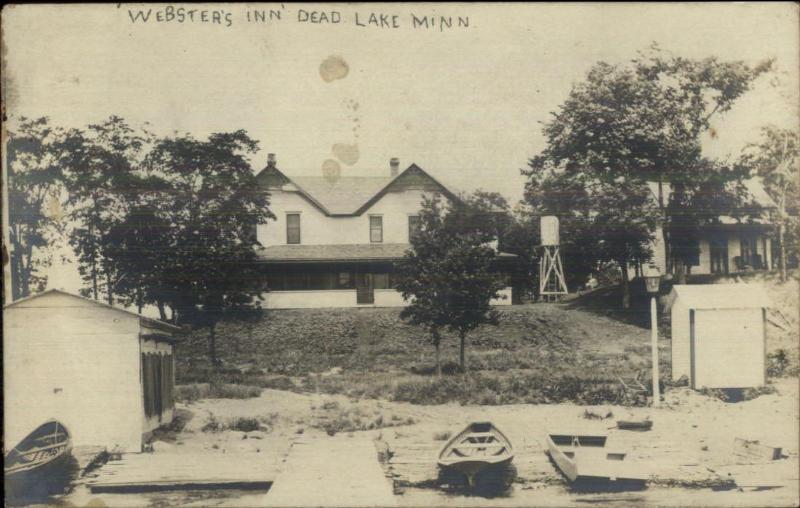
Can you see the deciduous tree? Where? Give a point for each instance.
(33, 153)
(643, 122)
(776, 158)
(448, 275)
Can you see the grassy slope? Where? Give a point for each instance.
(539, 353)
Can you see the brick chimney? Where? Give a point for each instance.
(270, 160)
(394, 167)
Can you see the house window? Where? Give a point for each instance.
(375, 228)
(381, 281)
(292, 228)
(345, 280)
(413, 226)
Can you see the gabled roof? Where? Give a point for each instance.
(348, 195)
(154, 322)
(754, 187)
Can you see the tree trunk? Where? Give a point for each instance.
(437, 342)
(782, 247)
(212, 345)
(781, 243)
(94, 277)
(109, 288)
(660, 225)
(462, 356)
(438, 360)
(626, 286)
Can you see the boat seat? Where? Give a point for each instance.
(481, 434)
(480, 445)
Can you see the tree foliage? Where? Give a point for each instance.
(103, 180)
(211, 202)
(776, 159)
(632, 124)
(448, 274)
(166, 221)
(33, 153)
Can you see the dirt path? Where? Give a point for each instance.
(334, 471)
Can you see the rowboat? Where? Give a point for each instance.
(39, 460)
(640, 425)
(584, 460)
(480, 446)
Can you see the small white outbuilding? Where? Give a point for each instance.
(104, 372)
(719, 335)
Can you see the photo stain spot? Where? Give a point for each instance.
(331, 170)
(712, 132)
(333, 68)
(346, 153)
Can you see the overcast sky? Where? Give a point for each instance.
(464, 103)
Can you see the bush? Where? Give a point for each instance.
(779, 364)
(278, 383)
(245, 424)
(523, 388)
(212, 425)
(192, 393)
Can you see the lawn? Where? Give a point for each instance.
(577, 351)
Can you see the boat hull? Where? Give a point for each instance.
(40, 465)
(38, 484)
(586, 462)
(479, 449)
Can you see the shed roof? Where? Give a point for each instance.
(720, 296)
(153, 322)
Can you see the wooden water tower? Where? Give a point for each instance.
(552, 284)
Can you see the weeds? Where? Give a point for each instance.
(195, 392)
(241, 423)
(355, 419)
(779, 364)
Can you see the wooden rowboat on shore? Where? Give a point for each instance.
(585, 460)
(38, 461)
(479, 447)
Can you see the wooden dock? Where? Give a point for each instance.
(149, 472)
(89, 457)
(335, 471)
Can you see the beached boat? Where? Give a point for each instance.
(39, 459)
(584, 459)
(640, 425)
(478, 447)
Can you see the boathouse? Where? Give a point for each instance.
(105, 372)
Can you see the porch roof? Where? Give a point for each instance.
(340, 253)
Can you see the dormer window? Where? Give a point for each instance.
(376, 229)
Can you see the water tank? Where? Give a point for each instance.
(549, 230)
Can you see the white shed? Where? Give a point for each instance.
(719, 335)
(106, 373)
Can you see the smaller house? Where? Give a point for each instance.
(719, 335)
(104, 372)
(728, 244)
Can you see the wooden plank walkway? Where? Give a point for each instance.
(88, 457)
(332, 471)
(147, 472)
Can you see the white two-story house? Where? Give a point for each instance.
(335, 239)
